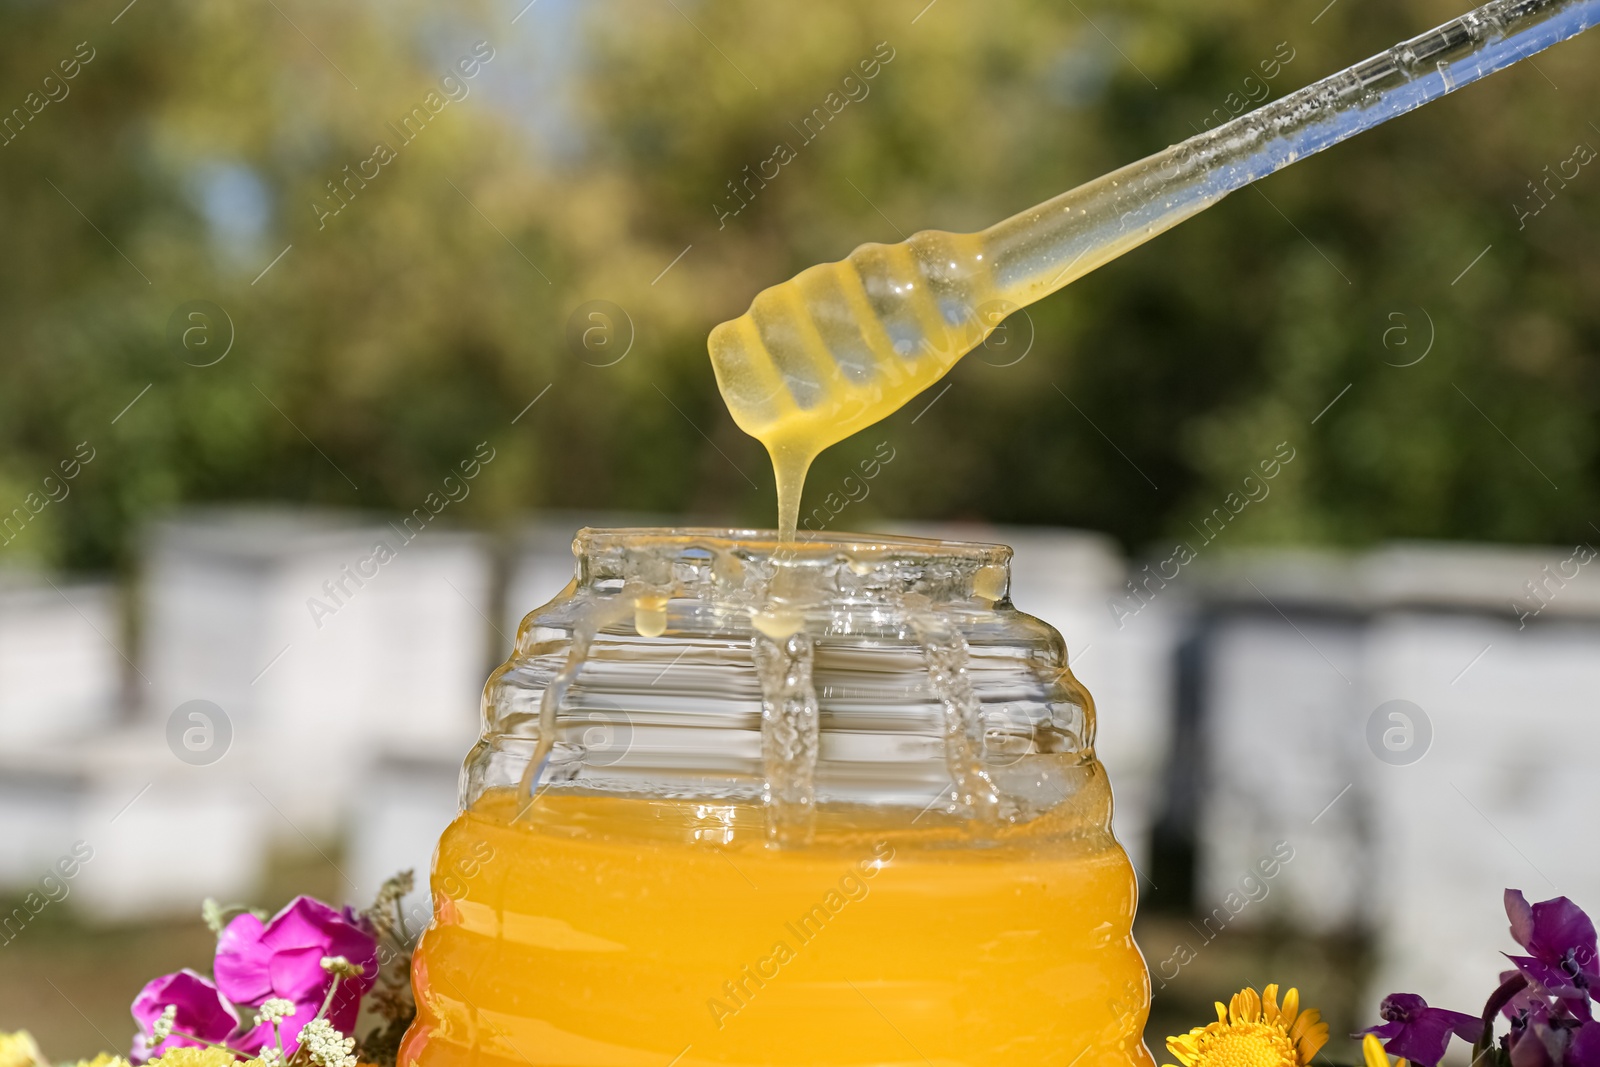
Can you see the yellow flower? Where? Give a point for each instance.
(189, 1056)
(1253, 1031)
(102, 1060)
(20, 1050)
(1372, 1052)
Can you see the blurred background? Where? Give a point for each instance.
(1309, 484)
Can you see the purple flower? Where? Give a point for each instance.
(201, 1011)
(283, 958)
(1560, 941)
(1584, 1051)
(1528, 1011)
(1545, 1031)
(1543, 1037)
(1418, 1033)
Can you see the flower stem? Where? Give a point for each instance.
(328, 1000)
(400, 922)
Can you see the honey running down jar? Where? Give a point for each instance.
(830, 803)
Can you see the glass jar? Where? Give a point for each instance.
(831, 802)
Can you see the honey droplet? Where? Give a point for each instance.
(989, 583)
(778, 623)
(650, 615)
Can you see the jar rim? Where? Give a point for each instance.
(806, 546)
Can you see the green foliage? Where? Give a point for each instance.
(425, 315)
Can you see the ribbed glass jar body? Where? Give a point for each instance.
(829, 802)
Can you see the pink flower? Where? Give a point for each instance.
(283, 958)
(201, 1011)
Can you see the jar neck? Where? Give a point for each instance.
(825, 672)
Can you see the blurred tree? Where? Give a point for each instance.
(199, 155)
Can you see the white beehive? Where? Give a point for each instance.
(61, 657)
(324, 640)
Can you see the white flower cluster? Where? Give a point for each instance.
(270, 1057)
(327, 1046)
(276, 1010)
(161, 1025)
